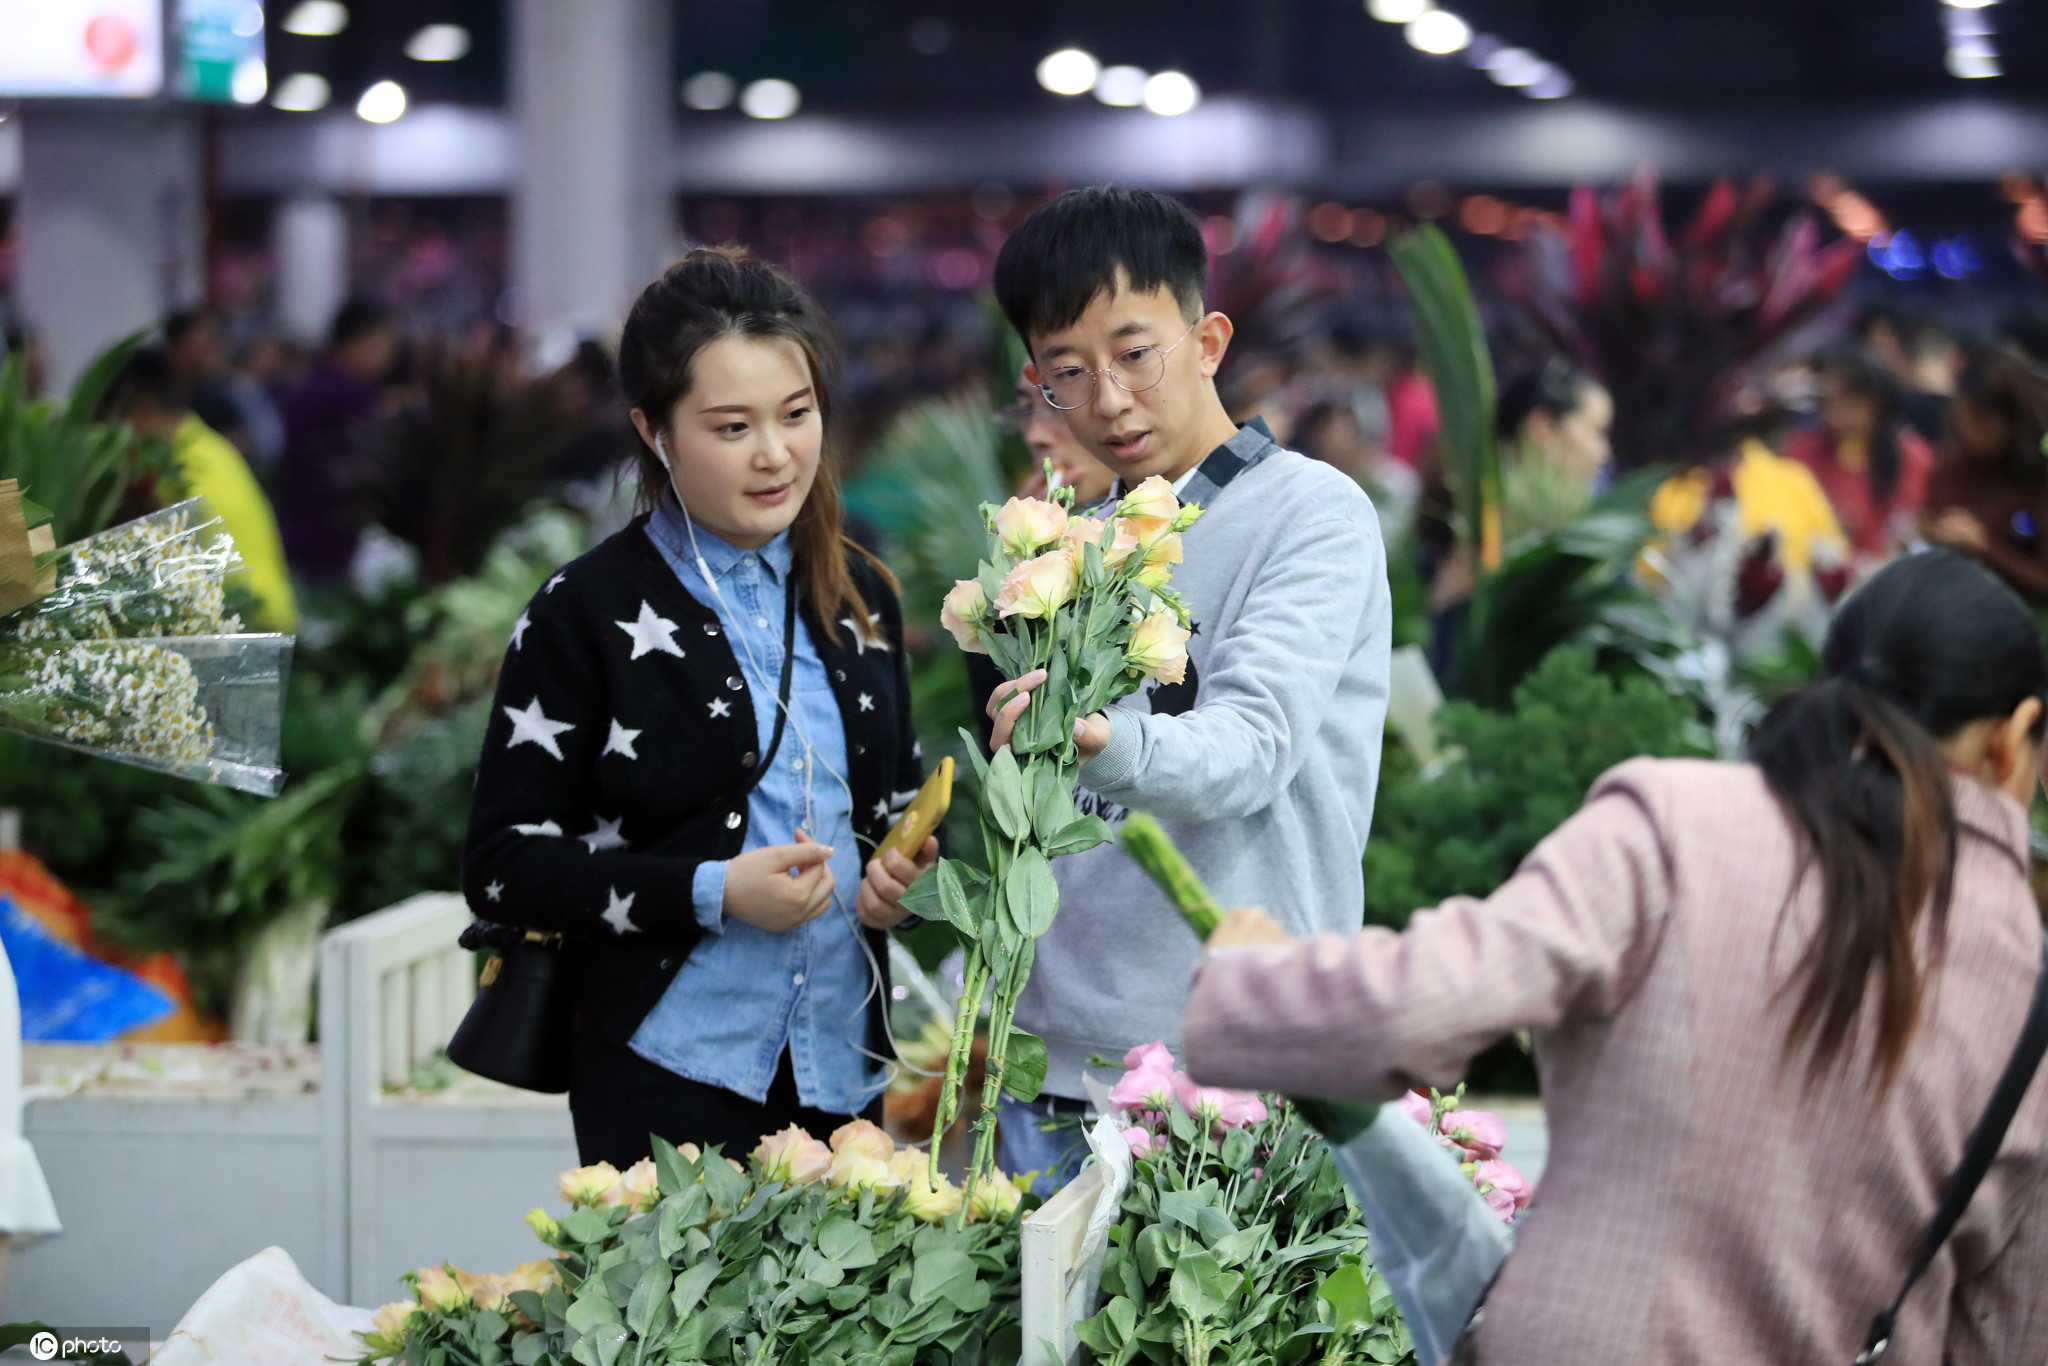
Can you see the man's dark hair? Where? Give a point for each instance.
(183, 321)
(1070, 249)
(144, 377)
(357, 318)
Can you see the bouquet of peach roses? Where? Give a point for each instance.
(1085, 599)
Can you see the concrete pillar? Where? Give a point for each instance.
(110, 225)
(309, 242)
(590, 91)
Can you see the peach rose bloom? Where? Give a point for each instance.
(864, 1137)
(1153, 498)
(438, 1290)
(964, 609)
(1025, 524)
(793, 1156)
(587, 1185)
(1158, 648)
(1038, 588)
(854, 1171)
(996, 1197)
(638, 1188)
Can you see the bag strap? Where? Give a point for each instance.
(1977, 1157)
(782, 689)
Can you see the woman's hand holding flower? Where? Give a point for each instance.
(880, 903)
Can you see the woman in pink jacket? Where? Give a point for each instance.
(1770, 1002)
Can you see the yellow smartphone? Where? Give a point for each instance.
(923, 814)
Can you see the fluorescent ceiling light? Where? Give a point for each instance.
(317, 18)
(1070, 71)
(1438, 32)
(250, 81)
(709, 90)
(1398, 11)
(381, 103)
(1516, 66)
(301, 94)
(770, 99)
(438, 43)
(1972, 68)
(1122, 86)
(1171, 92)
(1554, 86)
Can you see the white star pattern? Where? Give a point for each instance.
(619, 914)
(555, 582)
(882, 809)
(720, 707)
(519, 630)
(867, 703)
(544, 828)
(606, 836)
(865, 636)
(621, 741)
(651, 633)
(917, 749)
(496, 891)
(530, 726)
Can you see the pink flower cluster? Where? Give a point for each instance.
(1151, 1086)
(1476, 1136)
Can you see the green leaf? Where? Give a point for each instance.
(726, 1187)
(846, 1243)
(1213, 1224)
(1052, 806)
(1185, 1207)
(944, 1273)
(1024, 1065)
(1031, 893)
(592, 1309)
(648, 1298)
(1079, 836)
(1238, 1148)
(1233, 1248)
(922, 897)
(973, 745)
(673, 1172)
(1201, 1288)
(1003, 795)
(847, 1296)
(691, 1285)
(1155, 1252)
(1346, 1292)
(889, 1310)
(953, 899)
(588, 1225)
(529, 1348)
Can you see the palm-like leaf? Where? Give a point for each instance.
(64, 460)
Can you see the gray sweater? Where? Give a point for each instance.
(1266, 783)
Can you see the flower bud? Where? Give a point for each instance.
(963, 611)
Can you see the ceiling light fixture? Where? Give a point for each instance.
(1070, 71)
(438, 43)
(1171, 92)
(1398, 11)
(1438, 32)
(383, 102)
(1972, 46)
(770, 99)
(317, 18)
(1122, 86)
(249, 82)
(302, 93)
(709, 90)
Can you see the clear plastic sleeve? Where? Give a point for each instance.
(135, 657)
(200, 707)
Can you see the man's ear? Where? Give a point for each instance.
(1214, 333)
(2017, 735)
(1031, 375)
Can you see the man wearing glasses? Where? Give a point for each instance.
(1262, 764)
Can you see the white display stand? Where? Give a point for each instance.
(163, 1188)
(1051, 1255)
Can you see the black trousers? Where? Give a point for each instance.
(618, 1098)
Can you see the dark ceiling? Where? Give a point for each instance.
(859, 56)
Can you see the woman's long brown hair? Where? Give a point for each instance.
(716, 292)
(1930, 644)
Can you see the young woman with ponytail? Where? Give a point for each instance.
(701, 732)
(1770, 1002)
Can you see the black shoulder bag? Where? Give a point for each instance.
(1977, 1155)
(519, 1029)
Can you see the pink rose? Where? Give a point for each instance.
(1226, 1109)
(792, 1155)
(1501, 1203)
(1140, 1141)
(1155, 1054)
(1416, 1107)
(1477, 1131)
(1146, 1087)
(1495, 1175)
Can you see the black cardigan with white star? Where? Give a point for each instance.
(621, 742)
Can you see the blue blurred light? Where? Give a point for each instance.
(1956, 257)
(1899, 256)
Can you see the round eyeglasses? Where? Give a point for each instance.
(1068, 387)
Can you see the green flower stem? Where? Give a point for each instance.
(967, 1017)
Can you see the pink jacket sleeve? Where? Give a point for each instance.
(1368, 1016)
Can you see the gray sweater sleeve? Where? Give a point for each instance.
(1268, 681)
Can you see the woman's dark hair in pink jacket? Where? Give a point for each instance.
(1931, 643)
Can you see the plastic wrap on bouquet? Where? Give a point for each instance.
(133, 656)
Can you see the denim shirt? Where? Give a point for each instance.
(744, 993)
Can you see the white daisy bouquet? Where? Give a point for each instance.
(134, 656)
(1086, 599)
